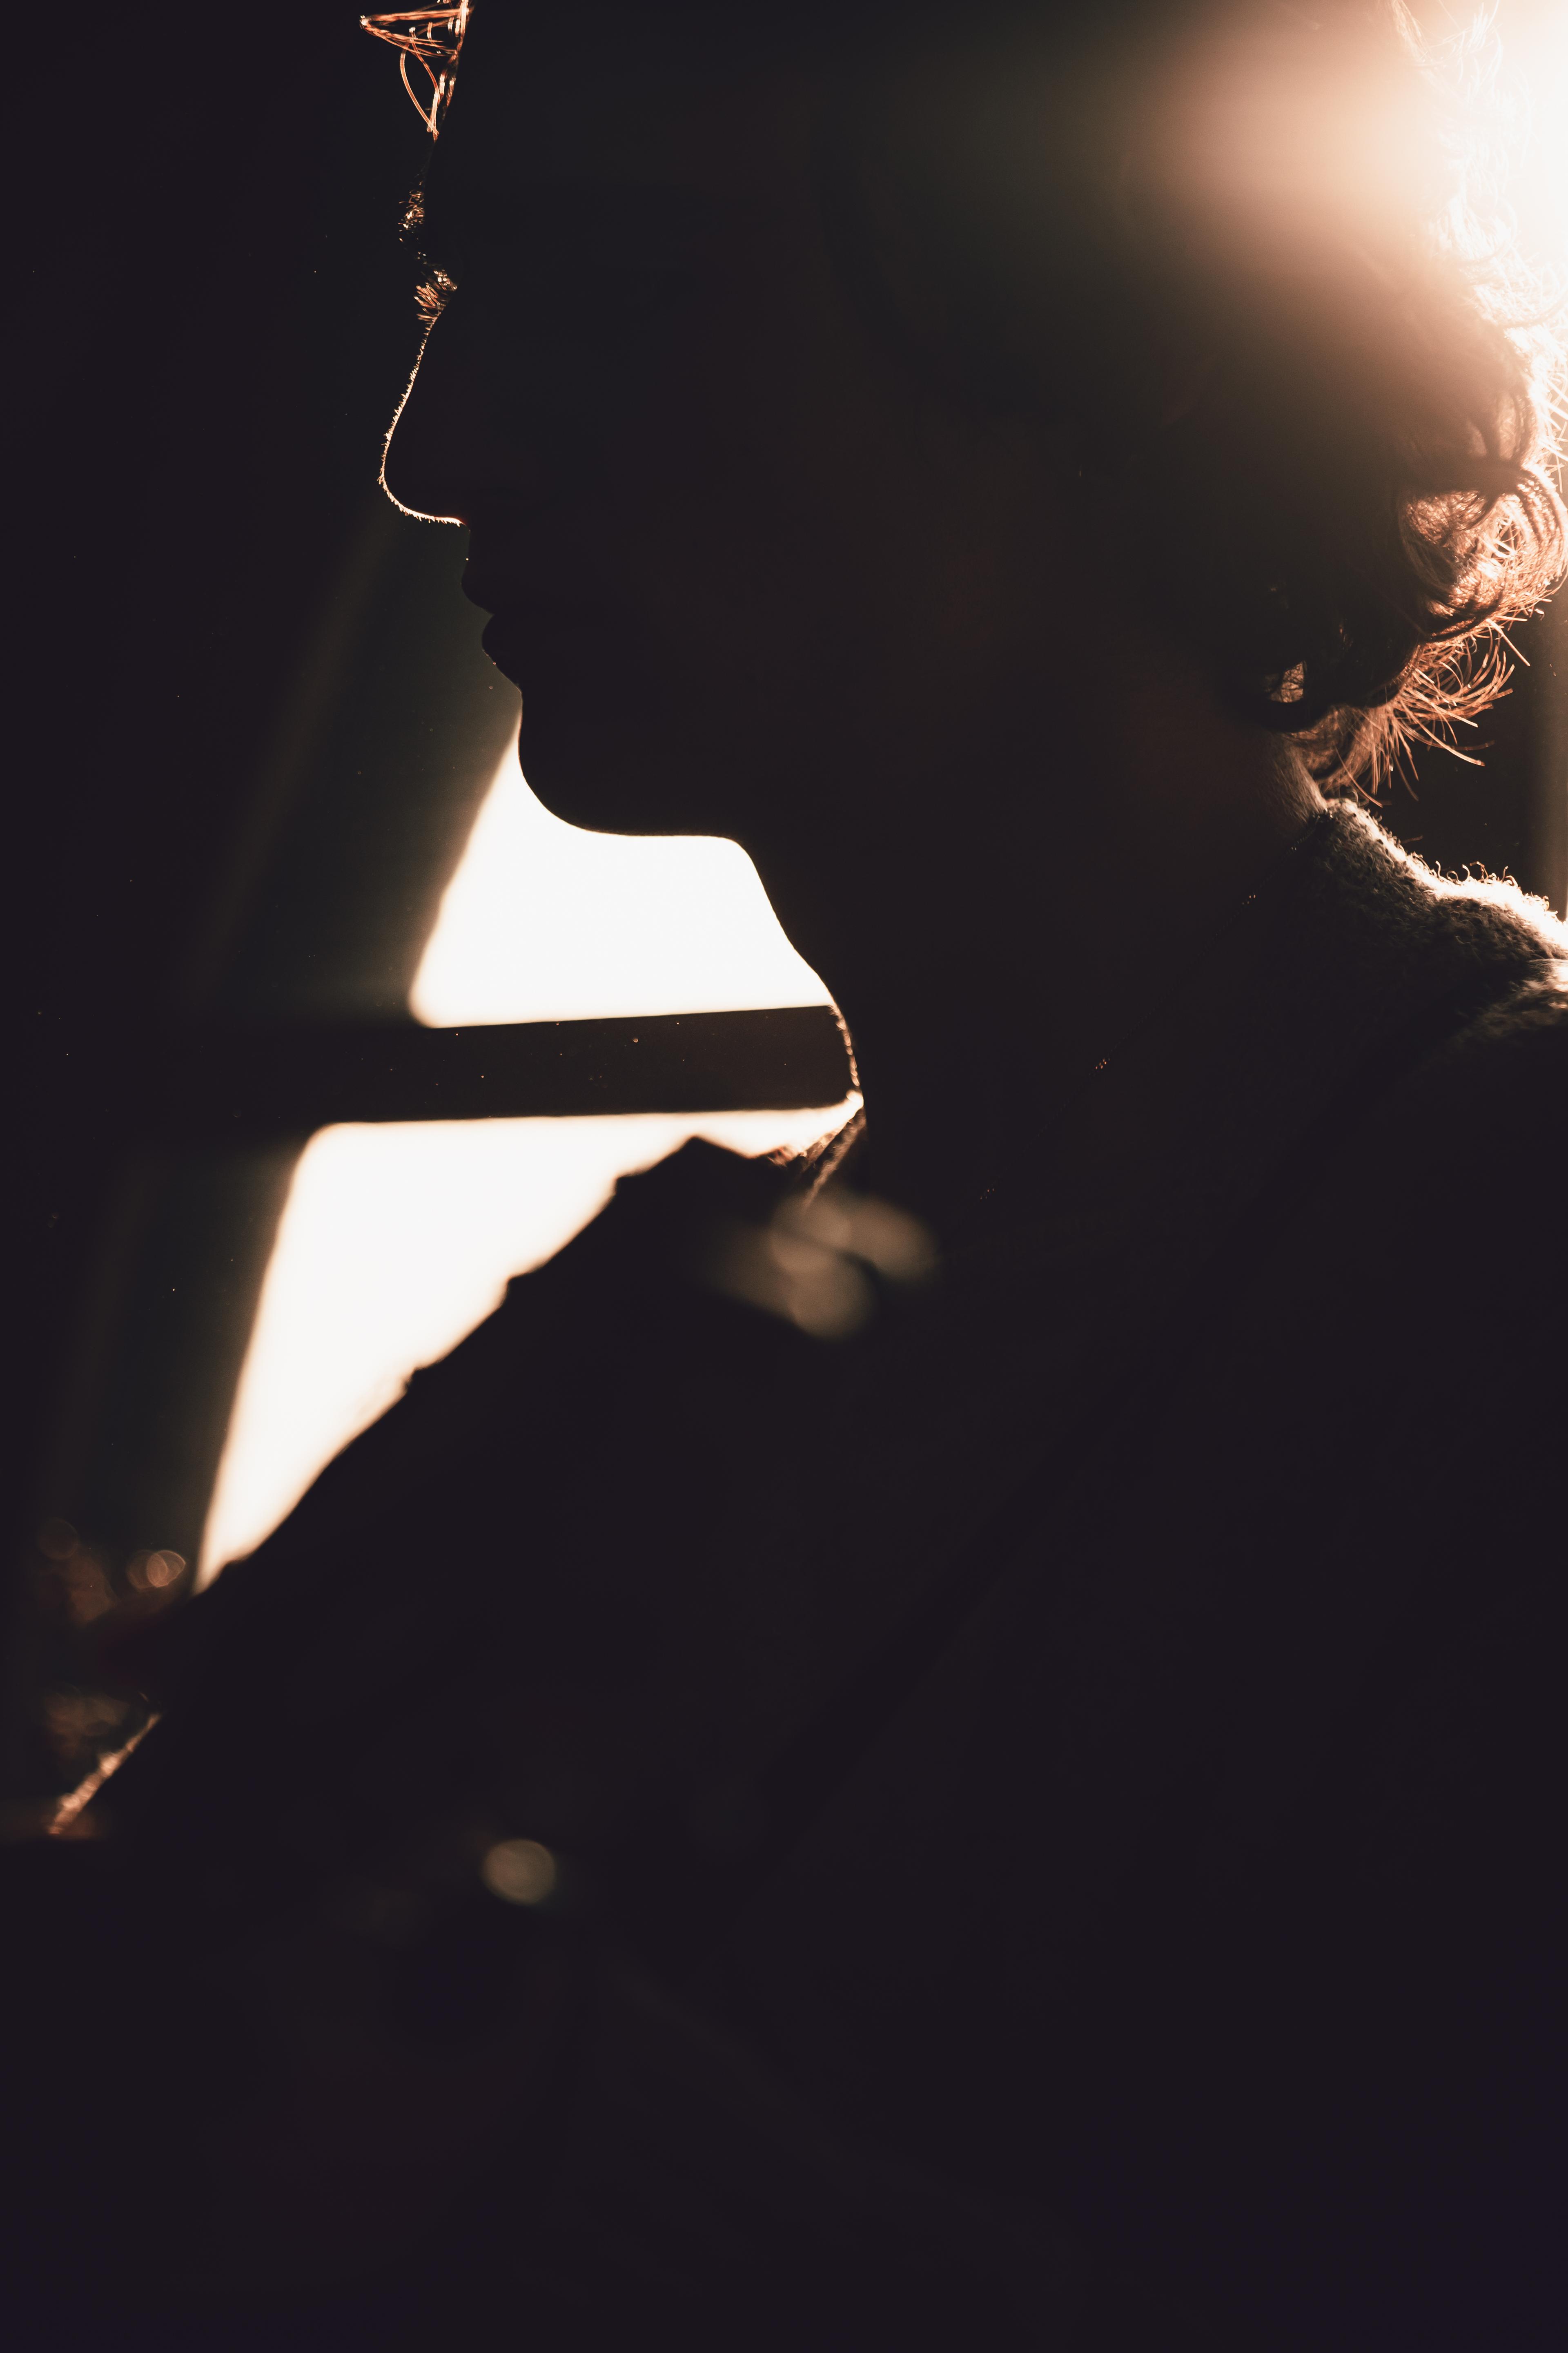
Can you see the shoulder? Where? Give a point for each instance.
(1461, 1162)
(1485, 922)
(1476, 1137)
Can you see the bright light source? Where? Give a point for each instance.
(543, 922)
(1535, 64)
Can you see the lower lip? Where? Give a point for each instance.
(523, 649)
(517, 629)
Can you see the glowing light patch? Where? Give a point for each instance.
(1536, 66)
(543, 922)
(519, 1870)
(394, 1242)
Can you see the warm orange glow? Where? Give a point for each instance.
(810, 1265)
(1314, 148)
(1536, 66)
(519, 1870)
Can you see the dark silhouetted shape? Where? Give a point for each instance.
(955, 1742)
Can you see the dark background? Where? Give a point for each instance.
(249, 725)
(250, 720)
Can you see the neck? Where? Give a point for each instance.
(985, 970)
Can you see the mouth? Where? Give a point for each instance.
(523, 637)
(487, 590)
(520, 616)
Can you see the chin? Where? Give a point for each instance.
(609, 778)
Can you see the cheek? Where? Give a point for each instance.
(823, 562)
(784, 519)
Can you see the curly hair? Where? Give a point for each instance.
(1242, 257)
(1246, 258)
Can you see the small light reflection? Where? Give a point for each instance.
(519, 1870)
(67, 1817)
(811, 1265)
(897, 1244)
(154, 1572)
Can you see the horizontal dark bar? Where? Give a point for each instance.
(244, 1084)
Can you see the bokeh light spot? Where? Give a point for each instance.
(519, 1870)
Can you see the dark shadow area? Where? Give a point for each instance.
(219, 320)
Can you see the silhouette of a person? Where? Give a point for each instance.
(1020, 1662)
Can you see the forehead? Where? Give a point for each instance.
(653, 104)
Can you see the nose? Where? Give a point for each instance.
(422, 462)
(441, 452)
(490, 416)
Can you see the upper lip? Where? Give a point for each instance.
(511, 601)
(513, 621)
(482, 588)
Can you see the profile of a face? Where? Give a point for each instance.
(748, 563)
(972, 430)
